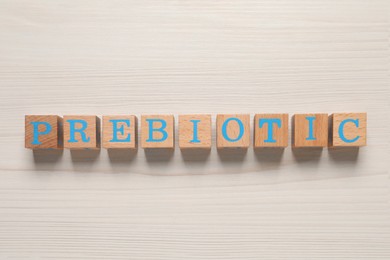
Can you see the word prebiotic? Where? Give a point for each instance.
(195, 131)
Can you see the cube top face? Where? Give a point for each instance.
(81, 132)
(157, 131)
(233, 131)
(195, 131)
(310, 130)
(349, 129)
(271, 130)
(43, 132)
(119, 132)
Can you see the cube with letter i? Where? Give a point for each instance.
(43, 132)
(157, 131)
(310, 130)
(271, 130)
(348, 129)
(119, 132)
(195, 131)
(81, 132)
(233, 131)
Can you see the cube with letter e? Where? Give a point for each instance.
(119, 132)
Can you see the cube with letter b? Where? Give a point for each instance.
(43, 132)
(348, 129)
(271, 130)
(157, 131)
(81, 132)
(233, 131)
(310, 130)
(195, 131)
(119, 132)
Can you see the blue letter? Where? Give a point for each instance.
(270, 122)
(311, 132)
(224, 132)
(73, 130)
(37, 133)
(121, 130)
(161, 130)
(195, 132)
(341, 130)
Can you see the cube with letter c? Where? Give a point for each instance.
(157, 131)
(348, 129)
(233, 131)
(81, 132)
(43, 132)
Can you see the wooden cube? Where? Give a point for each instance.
(348, 129)
(119, 132)
(270, 130)
(310, 130)
(81, 132)
(43, 132)
(233, 131)
(195, 131)
(157, 131)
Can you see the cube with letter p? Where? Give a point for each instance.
(43, 132)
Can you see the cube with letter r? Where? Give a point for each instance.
(81, 132)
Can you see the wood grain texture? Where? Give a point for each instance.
(194, 57)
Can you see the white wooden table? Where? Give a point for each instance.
(177, 57)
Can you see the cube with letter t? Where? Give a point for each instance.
(157, 131)
(81, 132)
(43, 132)
(271, 130)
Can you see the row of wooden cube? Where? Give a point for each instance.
(195, 131)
